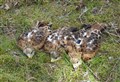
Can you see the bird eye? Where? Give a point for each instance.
(26, 33)
(78, 41)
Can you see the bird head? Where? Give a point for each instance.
(34, 39)
(29, 52)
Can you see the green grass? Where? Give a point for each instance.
(16, 67)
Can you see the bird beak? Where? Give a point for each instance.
(29, 52)
(29, 55)
(53, 59)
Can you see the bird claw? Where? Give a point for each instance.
(76, 65)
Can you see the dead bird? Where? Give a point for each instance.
(62, 39)
(78, 43)
(33, 40)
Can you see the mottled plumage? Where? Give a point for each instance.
(77, 43)
(34, 39)
(83, 43)
(58, 40)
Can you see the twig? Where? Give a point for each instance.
(108, 80)
(112, 34)
(91, 71)
(84, 11)
(100, 9)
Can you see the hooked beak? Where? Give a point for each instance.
(29, 55)
(29, 52)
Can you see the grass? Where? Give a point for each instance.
(16, 67)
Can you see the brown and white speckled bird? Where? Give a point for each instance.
(78, 44)
(89, 40)
(57, 40)
(34, 39)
